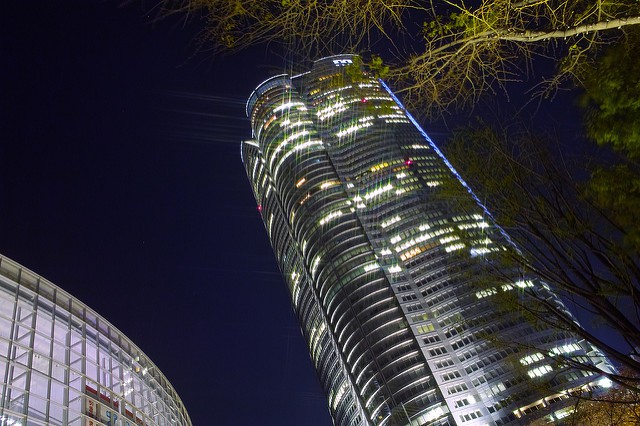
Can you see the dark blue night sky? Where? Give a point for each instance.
(121, 182)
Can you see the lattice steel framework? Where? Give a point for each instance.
(62, 364)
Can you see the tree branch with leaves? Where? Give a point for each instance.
(462, 50)
(470, 51)
(311, 26)
(562, 237)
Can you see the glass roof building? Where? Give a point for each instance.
(385, 273)
(63, 364)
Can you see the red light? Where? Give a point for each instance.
(364, 99)
(408, 162)
(260, 208)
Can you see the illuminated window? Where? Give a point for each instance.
(419, 317)
(269, 121)
(284, 142)
(314, 266)
(378, 167)
(300, 147)
(371, 267)
(339, 395)
(454, 247)
(524, 283)
(421, 329)
(289, 105)
(479, 251)
(539, 371)
(330, 217)
(342, 62)
(411, 253)
(330, 111)
(565, 349)
(378, 191)
(354, 128)
(429, 416)
(306, 197)
(328, 184)
(530, 359)
(448, 239)
(484, 293)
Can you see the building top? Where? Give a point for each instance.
(278, 80)
(285, 79)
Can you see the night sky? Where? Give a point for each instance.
(121, 182)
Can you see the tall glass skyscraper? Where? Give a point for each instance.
(385, 272)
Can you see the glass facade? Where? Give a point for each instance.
(63, 364)
(385, 271)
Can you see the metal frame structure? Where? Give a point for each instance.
(63, 364)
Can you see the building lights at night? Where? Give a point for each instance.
(63, 364)
(384, 273)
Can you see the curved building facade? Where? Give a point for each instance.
(385, 273)
(63, 364)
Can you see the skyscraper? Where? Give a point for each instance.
(385, 272)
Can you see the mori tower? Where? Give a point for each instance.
(384, 266)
